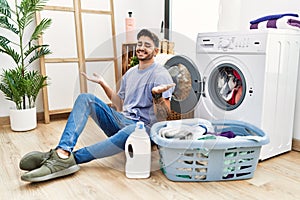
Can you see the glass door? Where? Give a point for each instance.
(188, 83)
(227, 86)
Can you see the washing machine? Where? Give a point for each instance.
(249, 76)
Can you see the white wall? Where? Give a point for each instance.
(236, 14)
(148, 14)
(188, 18)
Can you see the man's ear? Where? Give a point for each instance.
(156, 50)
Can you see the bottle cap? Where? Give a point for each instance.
(140, 125)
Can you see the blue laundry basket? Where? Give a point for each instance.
(210, 160)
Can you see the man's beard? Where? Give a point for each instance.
(148, 56)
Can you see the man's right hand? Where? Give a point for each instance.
(96, 78)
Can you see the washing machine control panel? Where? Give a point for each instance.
(232, 43)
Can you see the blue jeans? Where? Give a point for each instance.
(114, 124)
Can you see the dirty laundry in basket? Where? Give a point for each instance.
(212, 159)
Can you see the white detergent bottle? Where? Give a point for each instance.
(138, 153)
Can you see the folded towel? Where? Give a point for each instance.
(294, 22)
(276, 16)
(286, 22)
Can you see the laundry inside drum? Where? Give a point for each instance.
(229, 85)
(182, 77)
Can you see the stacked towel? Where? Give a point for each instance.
(270, 17)
(280, 21)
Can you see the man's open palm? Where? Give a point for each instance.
(162, 88)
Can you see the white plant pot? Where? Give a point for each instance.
(23, 120)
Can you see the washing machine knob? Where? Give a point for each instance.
(224, 43)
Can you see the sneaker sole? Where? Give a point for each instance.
(61, 173)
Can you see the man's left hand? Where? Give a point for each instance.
(162, 88)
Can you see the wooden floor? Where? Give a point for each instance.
(275, 178)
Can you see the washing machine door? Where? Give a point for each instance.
(226, 86)
(188, 87)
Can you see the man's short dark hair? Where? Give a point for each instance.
(152, 36)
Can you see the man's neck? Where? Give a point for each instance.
(145, 63)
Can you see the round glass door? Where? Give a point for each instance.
(187, 78)
(227, 86)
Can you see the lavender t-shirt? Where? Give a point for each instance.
(135, 91)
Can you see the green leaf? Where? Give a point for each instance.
(12, 85)
(34, 82)
(33, 48)
(134, 61)
(3, 44)
(5, 9)
(27, 10)
(29, 6)
(41, 52)
(4, 41)
(43, 25)
(4, 23)
(12, 53)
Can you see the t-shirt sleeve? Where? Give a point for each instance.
(121, 92)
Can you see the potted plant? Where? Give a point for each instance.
(18, 83)
(133, 61)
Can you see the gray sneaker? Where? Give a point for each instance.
(52, 168)
(33, 160)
